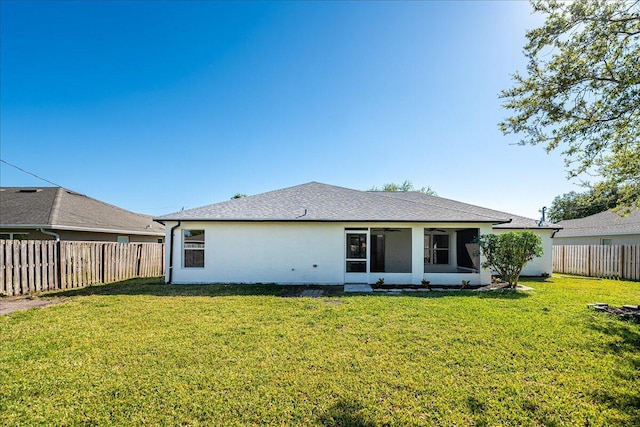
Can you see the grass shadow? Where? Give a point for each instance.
(498, 294)
(157, 287)
(626, 346)
(345, 413)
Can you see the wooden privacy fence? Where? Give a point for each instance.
(41, 265)
(612, 261)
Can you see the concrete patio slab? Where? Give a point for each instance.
(357, 288)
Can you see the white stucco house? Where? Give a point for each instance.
(322, 234)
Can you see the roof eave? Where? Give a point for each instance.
(163, 220)
(85, 229)
(595, 234)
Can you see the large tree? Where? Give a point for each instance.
(574, 205)
(406, 185)
(581, 91)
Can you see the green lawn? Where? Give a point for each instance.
(143, 353)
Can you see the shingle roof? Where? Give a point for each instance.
(516, 221)
(59, 208)
(321, 202)
(601, 224)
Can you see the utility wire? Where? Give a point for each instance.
(27, 172)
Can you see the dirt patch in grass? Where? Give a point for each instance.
(9, 305)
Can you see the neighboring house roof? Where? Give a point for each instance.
(61, 209)
(316, 202)
(601, 224)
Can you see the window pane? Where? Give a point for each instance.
(436, 249)
(194, 239)
(356, 266)
(440, 241)
(193, 242)
(193, 258)
(357, 246)
(441, 256)
(194, 234)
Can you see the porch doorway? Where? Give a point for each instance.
(356, 256)
(390, 250)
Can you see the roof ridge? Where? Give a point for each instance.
(55, 209)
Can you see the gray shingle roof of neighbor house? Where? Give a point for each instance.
(316, 202)
(59, 208)
(601, 224)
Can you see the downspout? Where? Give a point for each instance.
(171, 252)
(50, 233)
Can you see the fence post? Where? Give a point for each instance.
(58, 264)
(3, 290)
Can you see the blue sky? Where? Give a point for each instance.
(156, 106)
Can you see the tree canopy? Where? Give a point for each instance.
(581, 91)
(406, 185)
(574, 205)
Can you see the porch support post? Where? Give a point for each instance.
(417, 254)
(485, 274)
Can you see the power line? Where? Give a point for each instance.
(30, 173)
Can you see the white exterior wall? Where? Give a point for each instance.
(306, 252)
(541, 265)
(264, 252)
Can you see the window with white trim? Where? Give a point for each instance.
(193, 248)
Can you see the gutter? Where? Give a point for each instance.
(171, 252)
(50, 233)
(555, 230)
